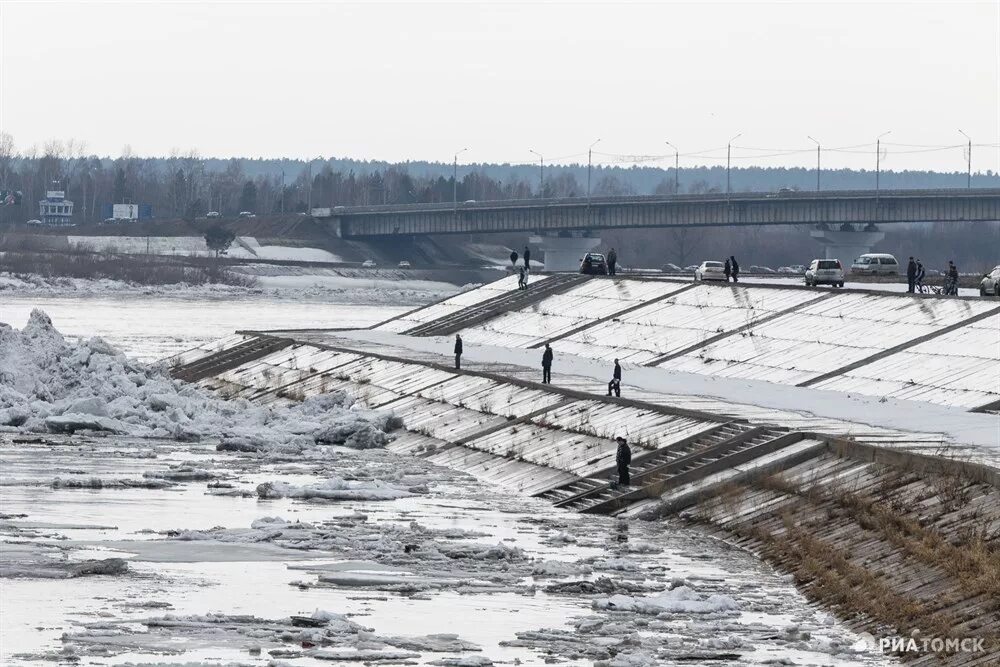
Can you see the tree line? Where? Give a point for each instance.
(188, 186)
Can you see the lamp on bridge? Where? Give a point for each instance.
(729, 151)
(969, 156)
(817, 162)
(454, 180)
(590, 153)
(878, 160)
(677, 162)
(541, 173)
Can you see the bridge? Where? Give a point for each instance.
(846, 222)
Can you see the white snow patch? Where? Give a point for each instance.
(334, 489)
(680, 600)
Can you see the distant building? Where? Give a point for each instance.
(55, 209)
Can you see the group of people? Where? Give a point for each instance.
(623, 456)
(522, 272)
(732, 269)
(915, 274)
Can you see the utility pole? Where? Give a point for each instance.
(969, 181)
(677, 171)
(729, 152)
(817, 162)
(590, 155)
(454, 181)
(541, 173)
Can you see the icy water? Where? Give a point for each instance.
(453, 573)
(151, 327)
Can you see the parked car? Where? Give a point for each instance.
(691, 269)
(34, 222)
(404, 264)
(709, 270)
(671, 268)
(213, 214)
(368, 264)
(990, 284)
(825, 272)
(596, 266)
(787, 270)
(761, 269)
(470, 201)
(247, 214)
(875, 264)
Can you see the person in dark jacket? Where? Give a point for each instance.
(588, 266)
(547, 365)
(522, 278)
(911, 275)
(951, 285)
(527, 258)
(458, 351)
(616, 381)
(513, 258)
(728, 269)
(623, 457)
(918, 280)
(612, 261)
(735, 268)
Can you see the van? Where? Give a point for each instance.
(875, 264)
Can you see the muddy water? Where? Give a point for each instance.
(191, 552)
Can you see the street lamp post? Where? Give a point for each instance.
(590, 155)
(541, 173)
(454, 180)
(729, 151)
(969, 181)
(817, 162)
(878, 161)
(677, 162)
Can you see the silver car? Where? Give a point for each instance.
(990, 284)
(825, 272)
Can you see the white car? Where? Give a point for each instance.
(34, 222)
(404, 264)
(368, 264)
(761, 269)
(825, 272)
(710, 270)
(990, 284)
(671, 268)
(213, 214)
(691, 269)
(247, 214)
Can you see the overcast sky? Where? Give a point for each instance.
(411, 80)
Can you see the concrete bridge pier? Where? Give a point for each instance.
(846, 242)
(563, 253)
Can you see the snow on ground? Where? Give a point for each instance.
(880, 286)
(50, 385)
(245, 247)
(956, 424)
(335, 285)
